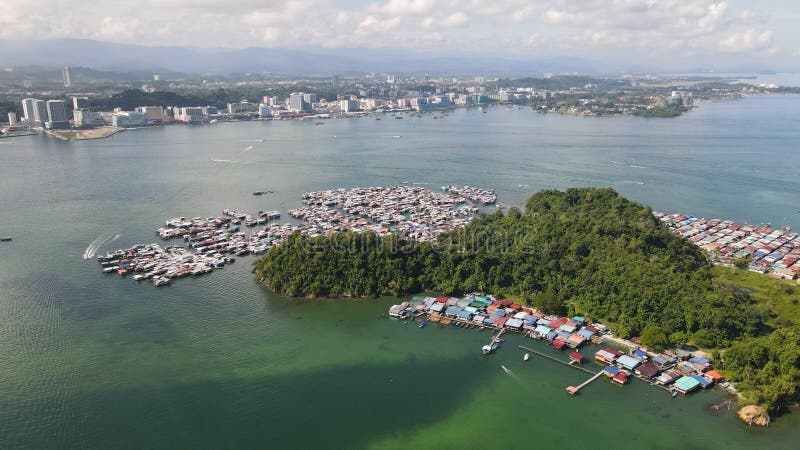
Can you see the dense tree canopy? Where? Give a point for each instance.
(586, 251)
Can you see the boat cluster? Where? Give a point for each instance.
(210, 243)
(485, 196)
(410, 212)
(763, 249)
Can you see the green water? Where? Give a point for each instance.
(96, 361)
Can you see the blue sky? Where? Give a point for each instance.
(630, 31)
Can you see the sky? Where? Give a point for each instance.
(632, 31)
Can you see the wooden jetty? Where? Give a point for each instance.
(570, 364)
(574, 389)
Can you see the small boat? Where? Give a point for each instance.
(674, 393)
(6, 239)
(526, 357)
(487, 349)
(421, 325)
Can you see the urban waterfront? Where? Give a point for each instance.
(96, 361)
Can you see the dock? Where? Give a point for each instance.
(574, 389)
(569, 364)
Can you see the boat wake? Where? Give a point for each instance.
(248, 148)
(638, 167)
(640, 183)
(253, 140)
(506, 370)
(91, 250)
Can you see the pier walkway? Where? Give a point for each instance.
(574, 389)
(569, 364)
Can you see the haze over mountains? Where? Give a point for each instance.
(306, 61)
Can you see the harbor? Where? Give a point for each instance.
(676, 371)
(211, 243)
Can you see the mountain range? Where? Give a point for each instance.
(281, 61)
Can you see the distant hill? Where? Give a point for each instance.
(285, 61)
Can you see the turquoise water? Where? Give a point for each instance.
(96, 361)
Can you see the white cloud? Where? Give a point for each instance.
(372, 25)
(747, 40)
(598, 28)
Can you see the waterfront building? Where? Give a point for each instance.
(372, 103)
(12, 119)
(57, 114)
(154, 114)
(80, 102)
(242, 107)
(34, 111)
(192, 114)
(264, 111)
(210, 111)
(270, 100)
(84, 118)
(348, 105)
(125, 119)
(301, 102)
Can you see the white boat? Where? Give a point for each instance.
(526, 357)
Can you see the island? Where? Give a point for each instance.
(582, 252)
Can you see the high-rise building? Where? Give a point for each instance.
(34, 111)
(298, 101)
(12, 119)
(65, 76)
(348, 105)
(57, 114)
(336, 82)
(27, 110)
(80, 102)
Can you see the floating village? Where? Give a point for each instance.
(676, 371)
(411, 212)
(763, 248)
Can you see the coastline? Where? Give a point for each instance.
(81, 135)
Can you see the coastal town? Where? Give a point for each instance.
(676, 370)
(70, 113)
(410, 212)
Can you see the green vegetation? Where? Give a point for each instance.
(586, 251)
(583, 251)
(767, 368)
(220, 97)
(7, 106)
(668, 111)
(778, 299)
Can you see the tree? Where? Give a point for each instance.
(654, 337)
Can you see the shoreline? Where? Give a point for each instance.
(83, 135)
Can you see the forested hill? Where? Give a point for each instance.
(587, 251)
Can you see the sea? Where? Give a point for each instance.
(96, 361)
